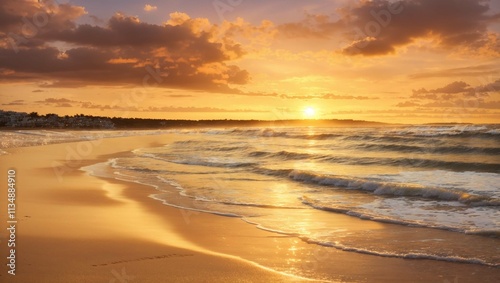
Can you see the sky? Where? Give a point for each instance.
(408, 61)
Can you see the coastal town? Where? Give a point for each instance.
(11, 119)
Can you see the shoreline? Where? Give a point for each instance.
(71, 230)
(227, 249)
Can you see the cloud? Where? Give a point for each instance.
(454, 87)
(463, 104)
(125, 52)
(475, 71)
(457, 89)
(407, 104)
(15, 102)
(313, 26)
(346, 97)
(54, 100)
(326, 96)
(316, 96)
(490, 87)
(180, 95)
(58, 102)
(149, 8)
(451, 24)
(18, 17)
(380, 27)
(90, 105)
(37, 90)
(457, 94)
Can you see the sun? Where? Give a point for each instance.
(309, 112)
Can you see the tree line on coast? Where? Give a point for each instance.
(13, 120)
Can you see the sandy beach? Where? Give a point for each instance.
(73, 227)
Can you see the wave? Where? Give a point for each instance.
(416, 134)
(339, 246)
(434, 149)
(284, 155)
(362, 214)
(210, 145)
(165, 202)
(227, 164)
(259, 205)
(275, 132)
(449, 131)
(415, 162)
(494, 132)
(272, 172)
(379, 187)
(406, 161)
(265, 132)
(312, 240)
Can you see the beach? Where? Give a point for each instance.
(75, 227)
(250, 141)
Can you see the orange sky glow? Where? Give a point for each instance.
(408, 61)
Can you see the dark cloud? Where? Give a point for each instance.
(452, 88)
(457, 94)
(25, 20)
(55, 100)
(379, 27)
(125, 51)
(15, 102)
(452, 24)
(37, 90)
(64, 105)
(455, 90)
(491, 87)
(58, 102)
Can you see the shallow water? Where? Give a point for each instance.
(295, 180)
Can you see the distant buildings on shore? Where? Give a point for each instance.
(11, 119)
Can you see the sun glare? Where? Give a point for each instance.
(309, 112)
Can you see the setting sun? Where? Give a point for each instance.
(309, 112)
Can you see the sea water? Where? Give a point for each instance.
(294, 181)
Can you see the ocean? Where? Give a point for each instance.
(294, 181)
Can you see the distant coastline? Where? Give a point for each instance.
(10, 120)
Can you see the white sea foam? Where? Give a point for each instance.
(451, 216)
(24, 138)
(379, 187)
(431, 131)
(429, 256)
